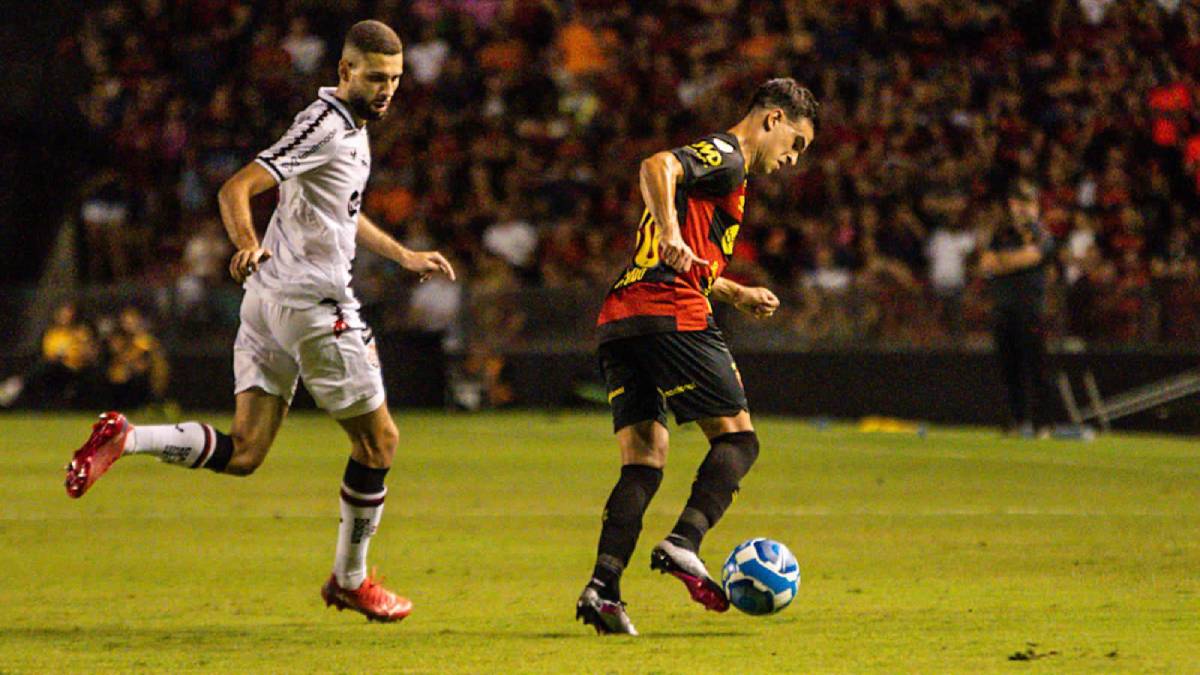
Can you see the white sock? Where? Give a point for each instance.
(187, 444)
(360, 518)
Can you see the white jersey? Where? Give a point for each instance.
(322, 164)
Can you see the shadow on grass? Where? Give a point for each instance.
(588, 634)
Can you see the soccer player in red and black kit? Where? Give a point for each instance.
(659, 347)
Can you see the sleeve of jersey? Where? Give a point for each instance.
(708, 169)
(308, 144)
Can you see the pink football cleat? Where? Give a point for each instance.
(670, 558)
(371, 600)
(103, 447)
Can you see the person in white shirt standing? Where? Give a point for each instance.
(299, 316)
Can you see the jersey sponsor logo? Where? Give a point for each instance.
(722, 145)
(631, 276)
(293, 163)
(318, 145)
(706, 152)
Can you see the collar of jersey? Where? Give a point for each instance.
(327, 94)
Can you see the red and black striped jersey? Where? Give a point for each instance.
(649, 296)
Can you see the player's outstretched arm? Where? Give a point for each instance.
(424, 263)
(659, 175)
(757, 301)
(234, 202)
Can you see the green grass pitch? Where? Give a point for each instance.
(950, 553)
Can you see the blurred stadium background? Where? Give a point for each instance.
(513, 149)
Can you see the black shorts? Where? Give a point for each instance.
(691, 372)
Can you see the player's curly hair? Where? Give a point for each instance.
(373, 37)
(785, 93)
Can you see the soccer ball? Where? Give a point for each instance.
(760, 576)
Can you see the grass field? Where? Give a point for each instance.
(949, 553)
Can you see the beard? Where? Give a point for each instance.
(362, 107)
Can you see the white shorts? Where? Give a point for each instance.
(328, 346)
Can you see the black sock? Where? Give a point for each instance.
(717, 481)
(221, 454)
(622, 525)
(362, 478)
(606, 577)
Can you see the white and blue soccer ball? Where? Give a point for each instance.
(760, 576)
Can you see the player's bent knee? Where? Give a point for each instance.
(389, 438)
(379, 452)
(653, 461)
(385, 437)
(644, 451)
(718, 426)
(747, 443)
(377, 447)
(732, 455)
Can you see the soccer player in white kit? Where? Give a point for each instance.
(299, 316)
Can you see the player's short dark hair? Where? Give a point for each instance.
(373, 37)
(787, 94)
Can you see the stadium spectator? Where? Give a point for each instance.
(205, 259)
(948, 249)
(826, 276)
(67, 372)
(425, 58)
(136, 369)
(1014, 262)
(305, 49)
(512, 238)
(931, 105)
(105, 216)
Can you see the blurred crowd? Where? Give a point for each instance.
(514, 142)
(117, 360)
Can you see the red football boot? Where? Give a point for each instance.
(103, 447)
(371, 600)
